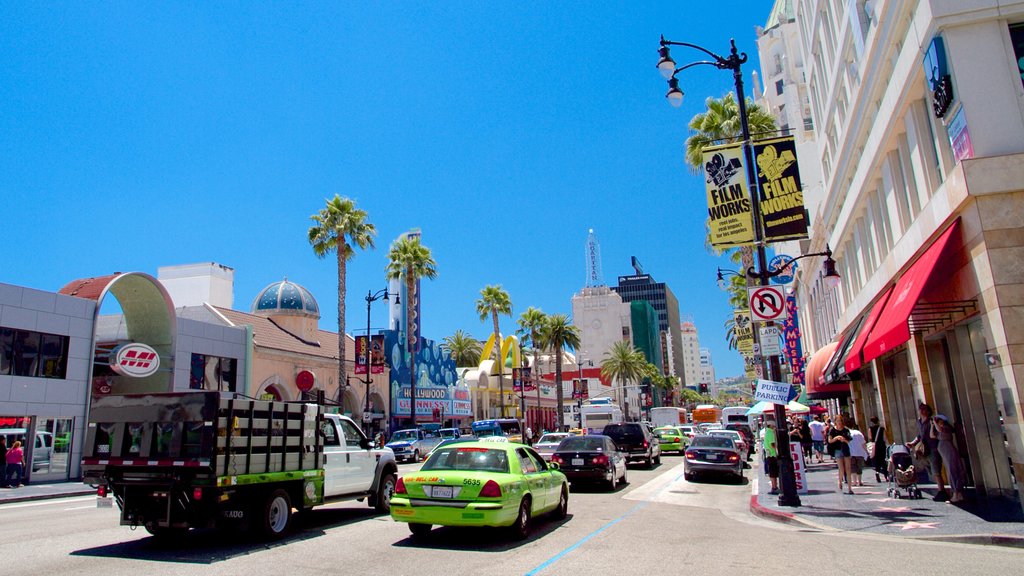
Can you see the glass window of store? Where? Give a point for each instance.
(213, 373)
(33, 354)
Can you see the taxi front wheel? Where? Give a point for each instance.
(419, 530)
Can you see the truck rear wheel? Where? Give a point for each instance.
(382, 500)
(276, 515)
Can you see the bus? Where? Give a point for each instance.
(507, 427)
(706, 414)
(667, 416)
(597, 414)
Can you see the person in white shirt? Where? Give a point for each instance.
(818, 438)
(858, 455)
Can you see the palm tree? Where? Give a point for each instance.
(463, 348)
(720, 124)
(340, 227)
(624, 363)
(410, 261)
(494, 300)
(559, 333)
(530, 323)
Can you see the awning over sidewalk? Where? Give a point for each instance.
(814, 378)
(835, 371)
(892, 328)
(854, 359)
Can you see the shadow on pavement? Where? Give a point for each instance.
(473, 539)
(217, 545)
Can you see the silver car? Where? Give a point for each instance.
(708, 453)
(548, 443)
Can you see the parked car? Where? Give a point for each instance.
(672, 439)
(716, 454)
(548, 443)
(480, 484)
(689, 430)
(748, 436)
(413, 444)
(741, 444)
(636, 441)
(591, 458)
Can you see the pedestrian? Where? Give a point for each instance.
(877, 450)
(858, 454)
(771, 456)
(15, 464)
(3, 469)
(927, 444)
(818, 437)
(839, 447)
(806, 440)
(945, 432)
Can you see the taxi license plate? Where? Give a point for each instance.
(442, 492)
(577, 461)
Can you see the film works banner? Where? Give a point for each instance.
(782, 200)
(730, 222)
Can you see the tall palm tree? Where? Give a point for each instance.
(340, 227)
(530, 323)
(624, 363)
(494, 300)
(463, 348)
(557, 334)
(409, 260)
(720, 124)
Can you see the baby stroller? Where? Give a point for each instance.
(902, 476)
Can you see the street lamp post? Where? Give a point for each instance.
(579, 400)
(370, 299)
(734, 61)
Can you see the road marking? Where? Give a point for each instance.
(583, 541)
(81, 507)
(47, 502)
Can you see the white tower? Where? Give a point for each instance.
(595, 277)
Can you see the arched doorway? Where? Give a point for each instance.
(350, 405)
(274, 388)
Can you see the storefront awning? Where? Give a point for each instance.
(814, 375)
(854, 360)
(835, 371)
(892, 328)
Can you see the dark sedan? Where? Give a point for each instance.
(591, 458)
(713, 454)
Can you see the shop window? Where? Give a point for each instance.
(33, 354)
(213, 373)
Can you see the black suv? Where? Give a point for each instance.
(635, 441)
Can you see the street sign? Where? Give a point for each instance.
(767, 303)
(779, 262)
(774, 392)
(770, 345)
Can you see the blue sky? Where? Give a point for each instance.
(133, 137)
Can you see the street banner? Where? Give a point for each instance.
(730, 219)
(783, 216)
(744, 330)
(376, 344)
(750, 364)
(774, 392)
(579, 389)
(793, 350)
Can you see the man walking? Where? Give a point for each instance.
(818, 438)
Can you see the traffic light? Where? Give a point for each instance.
(703, 388)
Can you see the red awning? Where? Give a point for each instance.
(814, 375)
(853, 359)
(892, 329)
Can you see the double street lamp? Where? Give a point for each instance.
(372, 297)
(829, 273)
(734, 62)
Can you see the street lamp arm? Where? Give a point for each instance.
(692, 64)
(733, 62)
(754, 273)
(688, 45)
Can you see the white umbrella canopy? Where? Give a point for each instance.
(793, 407)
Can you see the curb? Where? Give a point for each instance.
(54, 496)
(1005, 540)
(762, 511)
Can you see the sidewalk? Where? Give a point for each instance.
(870, 510)
(44, 491)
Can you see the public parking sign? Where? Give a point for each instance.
(767, 303)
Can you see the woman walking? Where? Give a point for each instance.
(858, 454)
(839, 447)
(15, 464)
(944, 432)
(877, 458)
(806, 441)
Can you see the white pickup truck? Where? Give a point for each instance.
(201, 459)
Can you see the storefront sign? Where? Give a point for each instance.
(936, 70)
(743, 328)
(454, 401)
(730, 220)
(781, 196)
(305, 380)
(135, 360)
(793, 349)
(959, 136)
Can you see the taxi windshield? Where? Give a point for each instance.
(467, 458)
(669, 432)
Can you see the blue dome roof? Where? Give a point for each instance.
(285, 297)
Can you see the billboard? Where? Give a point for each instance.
(730, 220)
(783, 216)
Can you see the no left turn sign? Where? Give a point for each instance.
(767, 303)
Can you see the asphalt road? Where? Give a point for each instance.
(658, 524)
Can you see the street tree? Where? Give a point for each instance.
(409, 261)
(623, 363)
(530, 324)
(494, 301)
(463, 348)
(558, 334)
(340, 227)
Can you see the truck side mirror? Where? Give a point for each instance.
(365, 443)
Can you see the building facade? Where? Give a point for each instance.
(641, 286)
(707, 371)
(919, 111)
(691, 352)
